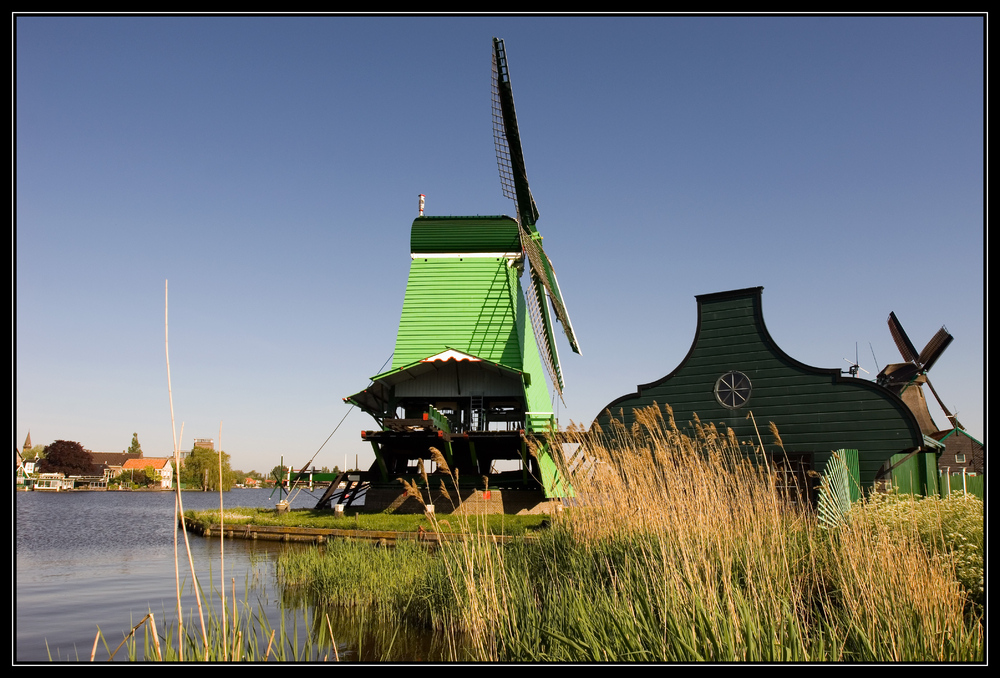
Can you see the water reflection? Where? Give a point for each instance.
(362, 635)
(89, 560)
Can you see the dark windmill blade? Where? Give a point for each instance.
(919, 364)
(514, 181)
(931, 352)
(934, 348)
(903, 342)
(507, 139)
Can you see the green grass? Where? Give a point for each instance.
(950, 529)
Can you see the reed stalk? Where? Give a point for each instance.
(179, 503)
(222, 550)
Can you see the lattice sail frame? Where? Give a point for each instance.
(541, 272)
(500, 142)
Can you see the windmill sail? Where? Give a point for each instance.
(514, 181)
(917, 365)
(903, 342)
(934, 348)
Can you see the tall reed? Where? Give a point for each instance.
(681, 547)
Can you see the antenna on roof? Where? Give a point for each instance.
(855, 367)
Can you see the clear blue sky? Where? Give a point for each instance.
(269, 168)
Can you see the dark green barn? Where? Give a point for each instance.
(734, 368)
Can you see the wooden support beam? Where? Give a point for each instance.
(381, 461)
(472, 452)
(448, 453)
(524, 460)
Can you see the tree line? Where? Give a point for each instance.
(199, 467)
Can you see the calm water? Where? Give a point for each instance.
(105, 559)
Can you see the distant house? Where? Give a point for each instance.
(111, 463)
(962, 453)
(161, 465)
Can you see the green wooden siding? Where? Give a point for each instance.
(465, 304)
(916, 475)
(974, 485)
(816, 410)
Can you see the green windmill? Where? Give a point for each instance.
(467, 374)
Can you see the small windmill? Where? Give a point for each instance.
(900, 377)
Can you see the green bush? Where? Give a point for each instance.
(950, 528)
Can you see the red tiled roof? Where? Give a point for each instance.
(155, 462)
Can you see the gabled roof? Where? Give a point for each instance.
(375, 398)
(113, 458)
(947, 433)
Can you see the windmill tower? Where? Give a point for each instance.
(906, 379)
(467, 371)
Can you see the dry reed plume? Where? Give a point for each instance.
(722, 550)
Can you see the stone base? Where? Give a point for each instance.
(474, 502)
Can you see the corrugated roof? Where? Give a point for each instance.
(464, 234)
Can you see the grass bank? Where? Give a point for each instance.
(681, 549)
(491, 524)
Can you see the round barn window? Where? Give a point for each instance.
(732, 389)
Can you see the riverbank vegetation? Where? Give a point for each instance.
(677, 547)
(681, 549)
